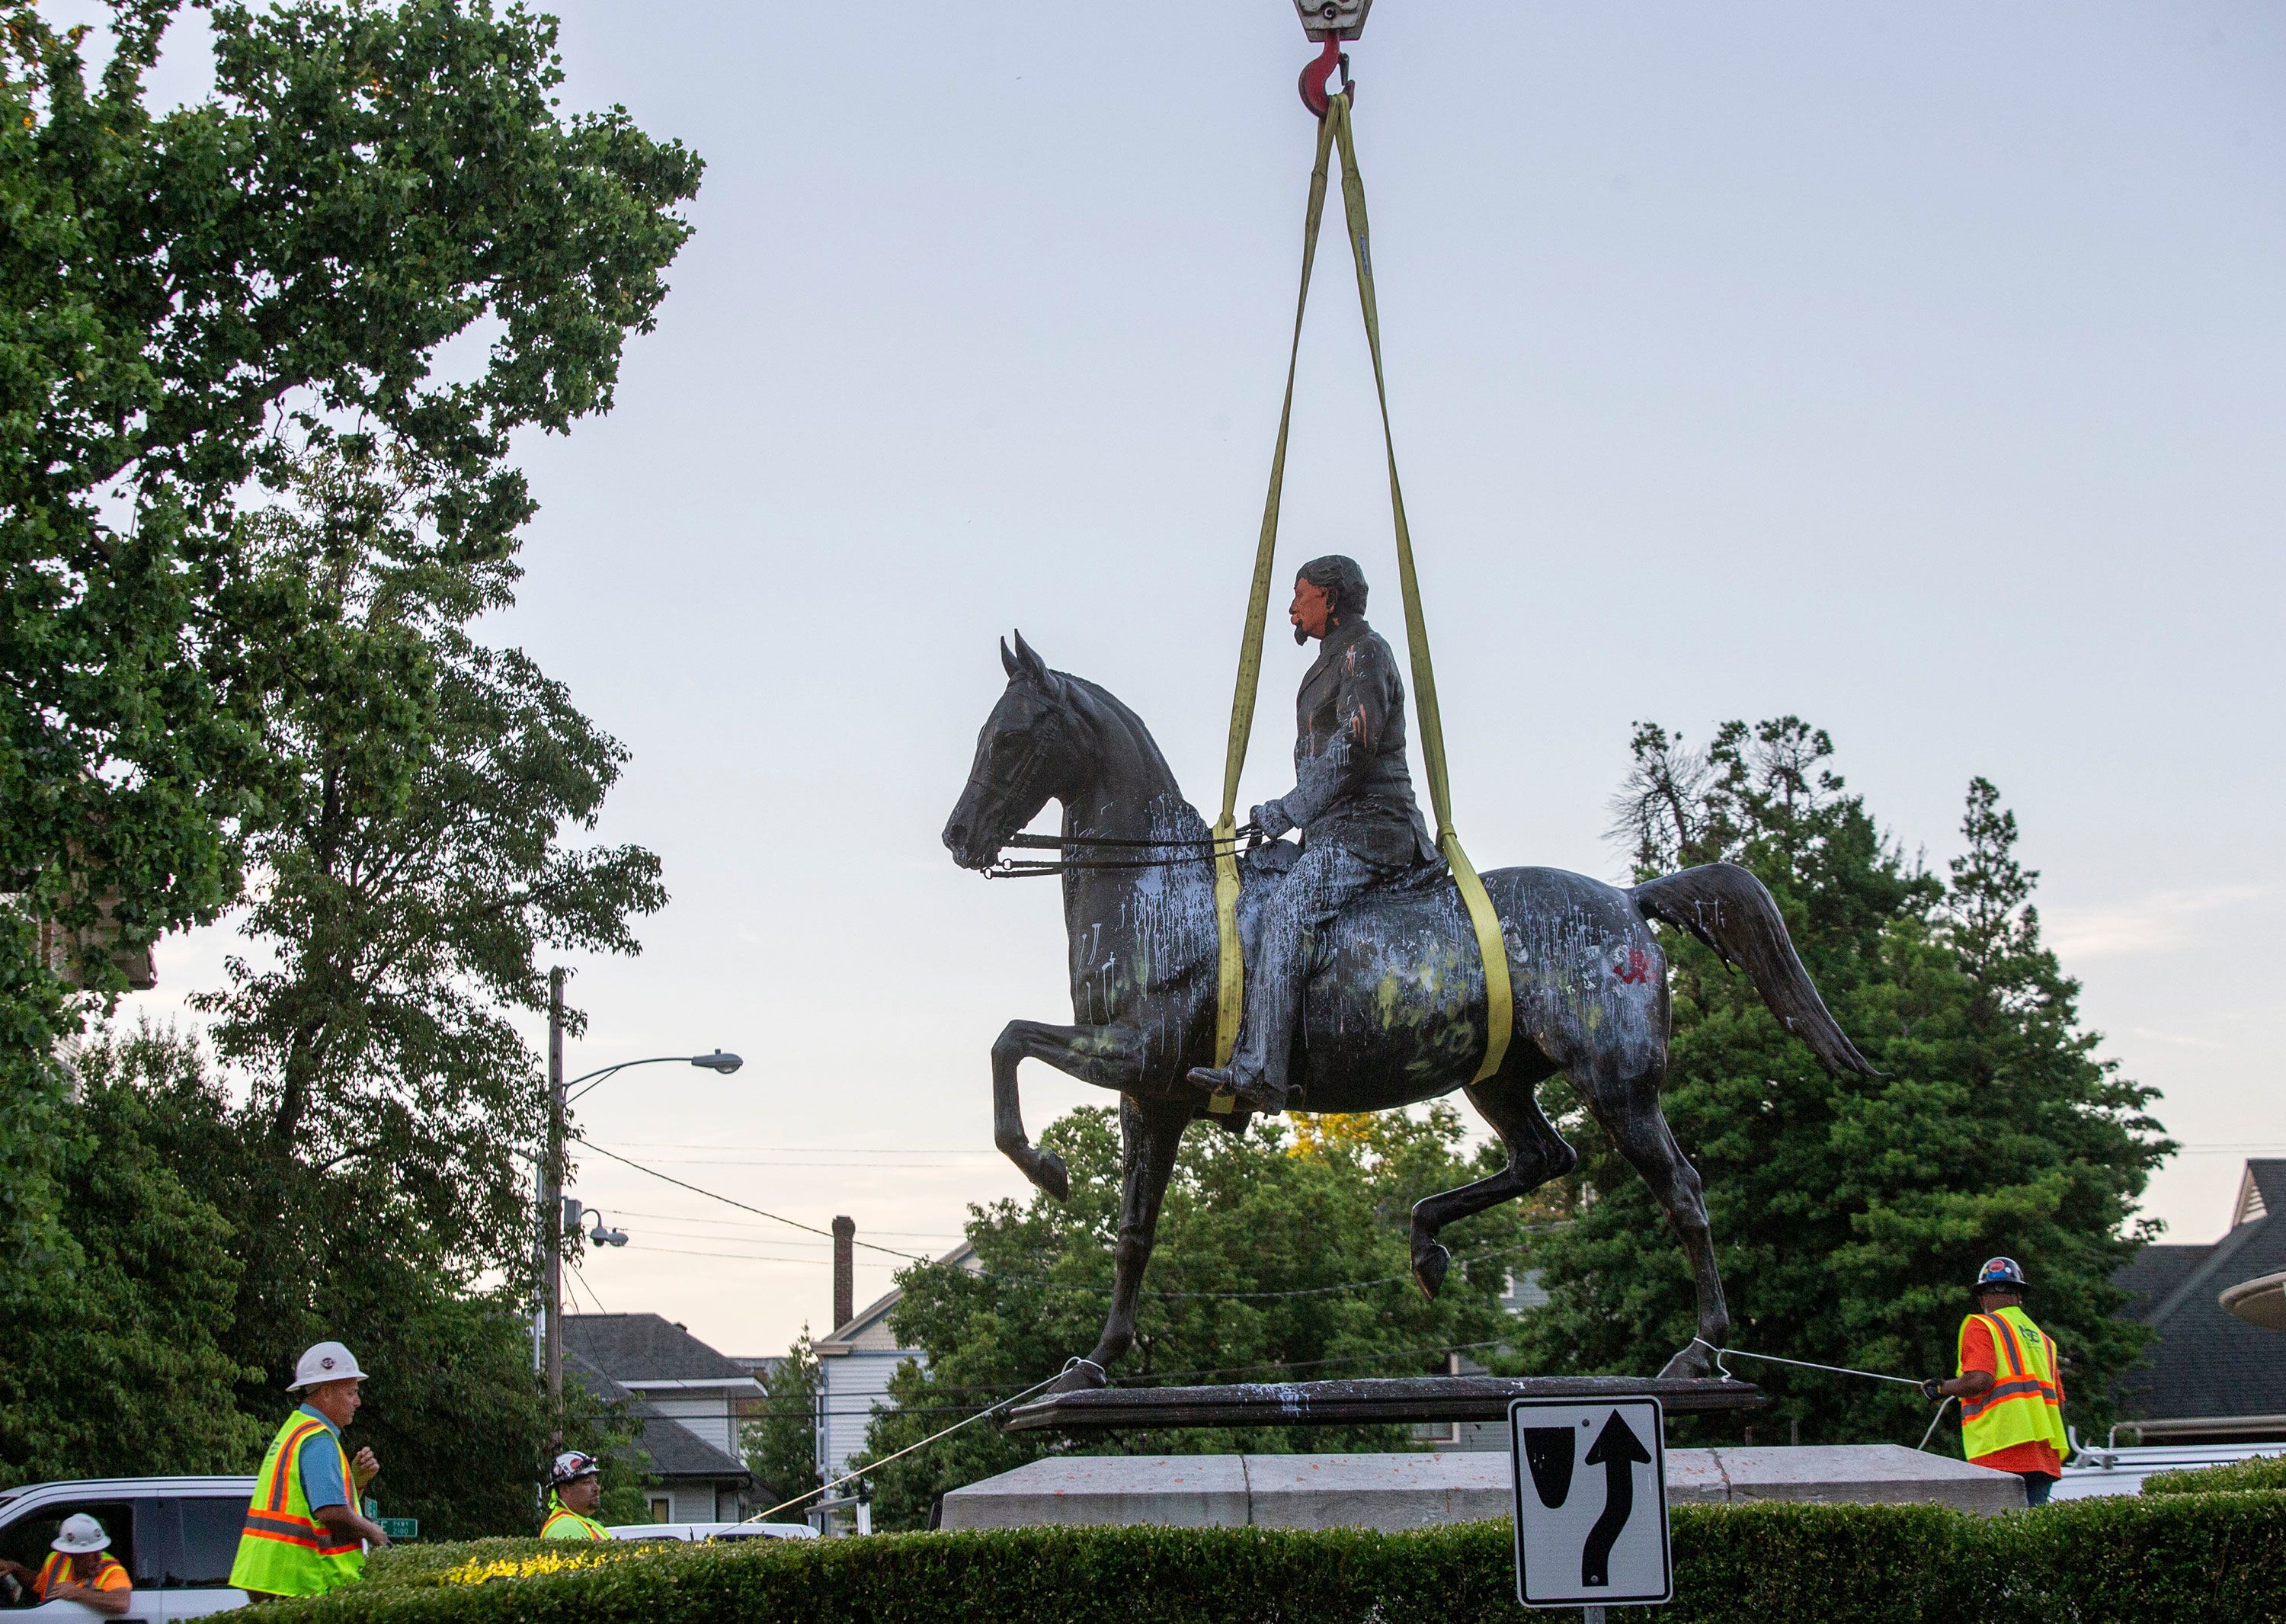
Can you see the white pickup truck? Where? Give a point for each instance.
(176, 1537)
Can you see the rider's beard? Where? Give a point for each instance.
(1301, 636)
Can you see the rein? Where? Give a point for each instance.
(1204, 850)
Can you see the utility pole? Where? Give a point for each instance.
(551, 1213)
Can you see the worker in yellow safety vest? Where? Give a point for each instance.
(2010, 1385)
(575, 1489)
(303, 1534)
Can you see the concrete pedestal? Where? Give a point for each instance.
(1391, 1493)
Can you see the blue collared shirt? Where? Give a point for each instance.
(320, 1465)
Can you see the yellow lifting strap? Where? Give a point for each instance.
(1334, 130)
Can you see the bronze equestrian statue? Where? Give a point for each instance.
(1390, 1006)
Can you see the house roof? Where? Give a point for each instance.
(2205, 1361)
(638, 1349)
(674, 1450)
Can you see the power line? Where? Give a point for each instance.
(742, 1206)
(878, 1167)
(715, 1223)
(579, 1275)
(1044, 1285)
(819, 1150)
(684, 1251)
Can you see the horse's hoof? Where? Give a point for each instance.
(1080, 1376)
(1047, 1172)
(1428, 1267)
(1690, 1363)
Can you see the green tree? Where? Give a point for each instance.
(120, 1358)
(411, 855)
(781, 1446)
(1275, 1257)
(297, 1252)
(1849, 1211)
(189, 298)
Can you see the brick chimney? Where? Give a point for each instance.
(845, 1271)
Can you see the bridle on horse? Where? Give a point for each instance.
(1046, 730)
(1028, 868)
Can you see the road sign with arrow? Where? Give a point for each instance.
(1591, 1502)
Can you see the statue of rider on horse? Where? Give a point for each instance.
(1365, 990)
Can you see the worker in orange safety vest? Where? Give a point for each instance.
(2010, 1385)
(79, 1568)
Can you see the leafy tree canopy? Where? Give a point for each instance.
(191, 298)
(125, 1355)
(1851, 1212)
(215, 1260)
(1278, 1255)
(411, 855)
(781, 1446)
(187, 297)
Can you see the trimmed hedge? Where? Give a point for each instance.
(2177, 1559)
(2262, 1471)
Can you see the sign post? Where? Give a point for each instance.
(1590, 1504)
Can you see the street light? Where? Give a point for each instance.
(720, 1060)
(550, 1179)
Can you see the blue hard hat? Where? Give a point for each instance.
(1999, 1275)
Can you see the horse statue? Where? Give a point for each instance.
(1394, 1011)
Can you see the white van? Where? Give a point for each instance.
(176, 1538)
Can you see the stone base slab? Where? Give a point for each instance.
(1391, 1493)
(1370, 1400)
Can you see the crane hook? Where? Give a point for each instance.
(1316, 73)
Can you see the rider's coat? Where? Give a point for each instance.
(1352, 787)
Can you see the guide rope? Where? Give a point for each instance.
(1722, 1354)
(1335, 132)
(1069, 1365)
(1872, 1376)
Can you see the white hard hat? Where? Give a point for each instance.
(328, 1361)
(80, 1534)
(573, 1465)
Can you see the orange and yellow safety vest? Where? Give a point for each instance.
(2023, 1406)
(108, 1574)
(284, 1549)
(565, 1524)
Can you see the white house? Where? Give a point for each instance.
(854, 1366)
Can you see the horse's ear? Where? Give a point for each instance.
(1008, 661)
(1033, 665)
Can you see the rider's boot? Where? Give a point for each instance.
(1252, 1088)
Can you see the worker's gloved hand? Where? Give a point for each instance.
(1271, 818)
(1933, 1389)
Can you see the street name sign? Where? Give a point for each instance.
(1591, 1502)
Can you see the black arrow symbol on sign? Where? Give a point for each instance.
(1618, 1449)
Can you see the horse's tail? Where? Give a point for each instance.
(1731, 911)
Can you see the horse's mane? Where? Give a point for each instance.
(1111, 715)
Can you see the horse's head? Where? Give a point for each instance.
(1025, 755)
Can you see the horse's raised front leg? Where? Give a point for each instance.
(1150, 1133)
(1536, 1154)
(1107, 1056)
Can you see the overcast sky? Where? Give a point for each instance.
(1911, 368)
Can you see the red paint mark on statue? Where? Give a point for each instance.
(1636, 969)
